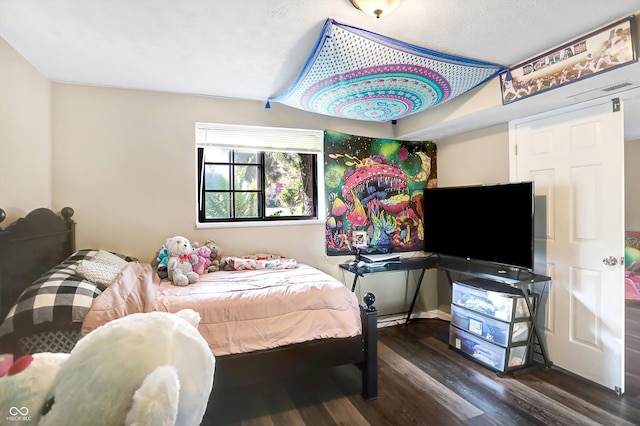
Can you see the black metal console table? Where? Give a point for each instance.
(406, 264)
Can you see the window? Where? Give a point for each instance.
(256, 173)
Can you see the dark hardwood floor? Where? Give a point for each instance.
(424, 382)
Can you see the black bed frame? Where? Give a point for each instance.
(32, 245)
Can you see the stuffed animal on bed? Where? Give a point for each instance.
(162, 258)
(203, 253)
(181, 260)
(142, 369)
(217, 262)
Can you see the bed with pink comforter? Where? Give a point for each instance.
(241, 311)
(255, 317)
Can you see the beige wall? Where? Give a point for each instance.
(472, 158)
(25, 136)
(478, 157)
(125, 161)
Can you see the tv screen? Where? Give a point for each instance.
(490, 223)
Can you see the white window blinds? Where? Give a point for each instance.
(258, 138)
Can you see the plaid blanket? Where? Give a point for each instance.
(57, 300)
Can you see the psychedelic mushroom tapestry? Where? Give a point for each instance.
(374, 189)
(357, 74)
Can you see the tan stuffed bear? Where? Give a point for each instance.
(217, 262)
(181, 261)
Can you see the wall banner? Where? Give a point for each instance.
(373, 192)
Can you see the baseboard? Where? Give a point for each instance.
(433, 314)
(401, 318)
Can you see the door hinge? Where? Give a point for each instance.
(616, 104)
(515, 150)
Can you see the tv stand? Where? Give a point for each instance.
(506, 280)
(510, 284)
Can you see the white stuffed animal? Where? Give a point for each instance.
(181, 261)
(143, 369)
(23, 389)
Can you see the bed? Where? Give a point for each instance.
(38, 255)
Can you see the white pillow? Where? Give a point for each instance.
(99, 272)
(109, 258)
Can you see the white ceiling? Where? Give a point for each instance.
(254, 49)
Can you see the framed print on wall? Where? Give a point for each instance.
(605, 49)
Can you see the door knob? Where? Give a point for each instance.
(610, 261)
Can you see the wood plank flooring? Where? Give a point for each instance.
(424, 382)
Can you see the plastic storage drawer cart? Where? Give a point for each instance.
(491, 323)
(493, 330)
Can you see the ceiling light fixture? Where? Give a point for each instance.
(376, 8)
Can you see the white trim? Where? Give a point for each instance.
(274, 139)
(259, 138)
(401, 318)
(252, 224)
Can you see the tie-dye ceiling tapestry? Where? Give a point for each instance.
(356, 74)
(373, 192)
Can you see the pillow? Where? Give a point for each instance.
(110, 259)
(103, 268)
(100, 272)
(239, 263)
(40, 308)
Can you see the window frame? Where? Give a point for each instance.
(262, 219)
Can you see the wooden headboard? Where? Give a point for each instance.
(29, 247)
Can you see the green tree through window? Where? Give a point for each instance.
(244, 185)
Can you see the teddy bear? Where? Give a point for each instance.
(142, 369)
(180, 261)
(217, 262)
(203, 263)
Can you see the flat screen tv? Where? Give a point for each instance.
(489, 223)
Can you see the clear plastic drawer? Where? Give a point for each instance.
(496, 300)
(487, 353)
(502, 333)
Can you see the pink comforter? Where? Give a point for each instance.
(241, 311)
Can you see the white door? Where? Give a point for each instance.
(575, 157)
